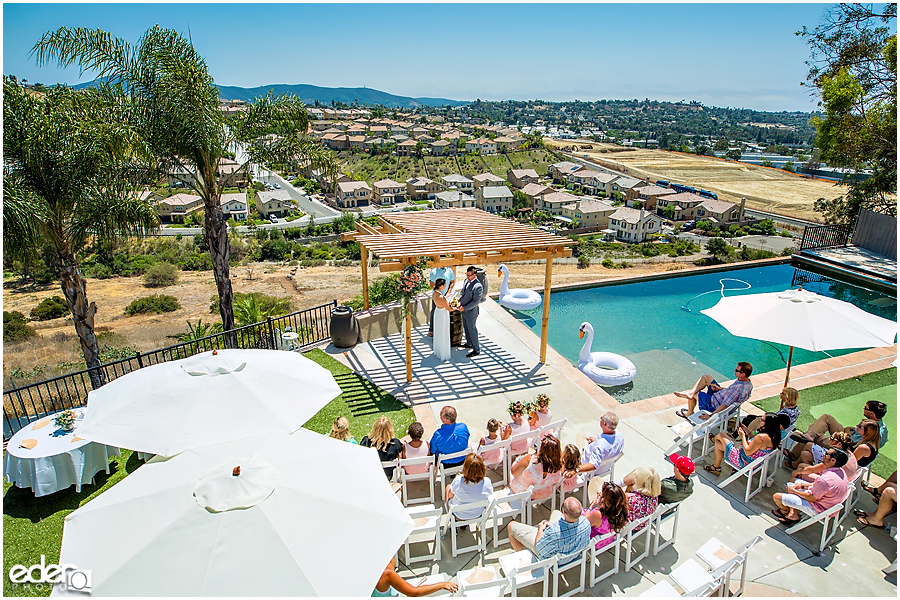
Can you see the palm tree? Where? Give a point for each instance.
(173, 102)
(70, 171)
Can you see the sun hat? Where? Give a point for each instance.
(684, 464)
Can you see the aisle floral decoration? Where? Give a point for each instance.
(65, 420)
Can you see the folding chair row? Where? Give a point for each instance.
(607, 469)
(522, 568)
(695, 580)
(765, 466)
(511, 448)
(700, 429)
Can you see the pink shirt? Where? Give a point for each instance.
(829, 489)
(416, 453)
(522, 445)
(534, 475)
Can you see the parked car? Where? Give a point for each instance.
(277, 186)
(688, 225)
(273, 219)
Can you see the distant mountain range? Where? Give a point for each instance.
(309, 94)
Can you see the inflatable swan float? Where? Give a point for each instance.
(517, 299)
(618, 369)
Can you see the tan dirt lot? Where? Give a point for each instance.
(765, 188)
(310, 287)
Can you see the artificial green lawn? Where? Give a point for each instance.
(33, 526)
(845, 400)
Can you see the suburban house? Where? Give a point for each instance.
(533, 190)
(494, 198)
(180, 176)
(521, 177)
(455, 181)
(623, 183)
(336, 141)
(352, 194)
(388, 191)
(421, 188)
(646, 195)
(453, 199)
(443, 148)
(176, 207)
(685, 205)
(274, 202)
(591, 182)
(234, 206)
(325, 182)
(315, 113)
(378, 130)
(506, 143)
(406, 147)
(357, 142)
(633, 225)
(590, 213)
(560, 171)
(482, 145)
(553, 202)
(231, 173)
(719, 211)
(379, 144)
(484, 179)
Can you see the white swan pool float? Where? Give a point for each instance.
(604, 368)
(517, 299)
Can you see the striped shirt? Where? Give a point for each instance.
(563, 538)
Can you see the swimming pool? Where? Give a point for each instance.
(672, 347)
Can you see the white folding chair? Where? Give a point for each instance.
(480, 523)
(576, 559)
(830, 518)
(664, 513)
(501, 446)
(407, 478)
(630, 534)
(664, 589)
(715, 554)
(764, 466)
(502, 507)
(481, 581)
(541, 491)
(607, 468)
(614, 545)
(525, 440)
(426, 529)
(445, 472)
(523, 569)
(853, 489)
(554, 428)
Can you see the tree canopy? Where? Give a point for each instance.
(853, 65)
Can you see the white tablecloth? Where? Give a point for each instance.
(57, 461)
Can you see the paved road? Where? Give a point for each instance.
(304, 202)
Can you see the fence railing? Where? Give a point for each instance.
(825, 236)
(24, 404)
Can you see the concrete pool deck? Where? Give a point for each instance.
(508, 369)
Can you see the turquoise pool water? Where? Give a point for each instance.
(672, 347)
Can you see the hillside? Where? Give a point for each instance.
(374, 168)
(310, 94)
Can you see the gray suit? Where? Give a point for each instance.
(469, 298)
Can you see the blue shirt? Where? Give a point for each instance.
(563, 538)
(450, 438)
(445, 273)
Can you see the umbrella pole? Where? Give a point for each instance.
(408, 347)
(787, 375)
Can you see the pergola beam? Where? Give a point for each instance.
(473, 257)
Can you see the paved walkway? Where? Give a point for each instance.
(508, 369)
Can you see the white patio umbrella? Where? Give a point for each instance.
(803, 319)
(207, 399)
(307, 515)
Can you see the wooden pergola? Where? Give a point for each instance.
(450, 238)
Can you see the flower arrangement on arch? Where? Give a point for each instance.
(65, 419)
(412, 281)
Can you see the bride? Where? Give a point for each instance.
(441, 338)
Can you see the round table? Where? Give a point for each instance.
(290, 340)
(58, 459)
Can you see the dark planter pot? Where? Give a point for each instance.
(344, 327)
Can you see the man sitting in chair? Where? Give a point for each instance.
(716, 398)
(565, 532)
(812, 498)
(819, 433)
(609, 444)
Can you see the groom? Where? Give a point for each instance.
(469, 298)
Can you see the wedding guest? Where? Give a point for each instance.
(416, 447)
(382, 439)
(450, 437)
(340, 430)
(608, 512)
(492, 457)
(516, 426)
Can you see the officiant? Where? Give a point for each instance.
(448, 275)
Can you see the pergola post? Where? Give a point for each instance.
(408, 346)
(546, 319)
(363, 254)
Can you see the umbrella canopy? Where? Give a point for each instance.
(802, 319)
(291, 522)
(208, 399)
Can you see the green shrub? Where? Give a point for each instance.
(161, 275)
(584, 261)
(50, 308)
(157, 303)
(15, 329)
(608, 263)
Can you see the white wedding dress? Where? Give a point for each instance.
(441, 334)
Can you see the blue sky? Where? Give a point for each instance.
(740, 55)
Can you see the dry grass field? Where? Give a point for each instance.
(56, 341)
(767, 189)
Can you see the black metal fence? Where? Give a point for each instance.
(27, 403)
(825, 236)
